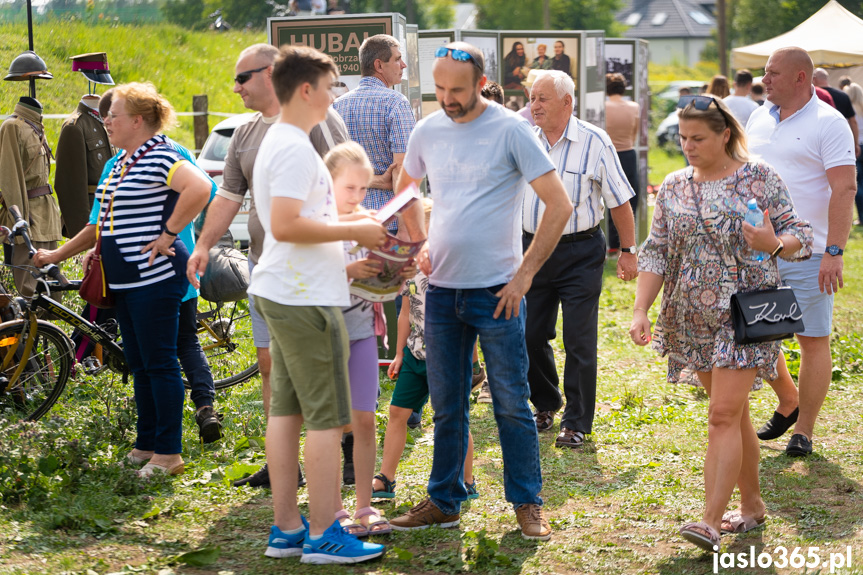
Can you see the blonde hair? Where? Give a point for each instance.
(347, 154)
(855, 94)
(717, 118)
(143, 100)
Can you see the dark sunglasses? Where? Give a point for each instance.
(457, 55)
(698, 101)
(244, 77)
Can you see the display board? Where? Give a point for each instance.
(521, 51)
(341, 37)
(412, 59)
(429, 41)
(629, 57)
(593, 73)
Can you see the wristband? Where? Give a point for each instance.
(778, 249)
(169, 233)
(640, 309)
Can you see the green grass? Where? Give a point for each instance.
(179, 62)
(615, 505)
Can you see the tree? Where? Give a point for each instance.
(186, 13)
(565, 15)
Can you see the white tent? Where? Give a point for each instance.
(832, 36)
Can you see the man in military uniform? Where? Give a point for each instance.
(25, 164)
(82, 149)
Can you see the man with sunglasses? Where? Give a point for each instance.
(478, 158)
(379, 118)
(811, 146)
(253, 82)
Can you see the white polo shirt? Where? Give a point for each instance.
(802, 148)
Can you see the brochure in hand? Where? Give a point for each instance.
(392, 257)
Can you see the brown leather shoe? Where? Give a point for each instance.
(569, 438)
(423, 515)
(533, 524)
(544, 420)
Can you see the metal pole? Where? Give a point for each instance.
(30, 38)
(546, 15)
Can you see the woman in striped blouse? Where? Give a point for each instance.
(151, 195)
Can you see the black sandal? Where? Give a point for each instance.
(389, 490)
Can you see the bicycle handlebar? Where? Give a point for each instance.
(20, 229)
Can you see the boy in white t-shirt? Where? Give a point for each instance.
(299, 285)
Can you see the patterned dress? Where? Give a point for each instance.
(696, 244)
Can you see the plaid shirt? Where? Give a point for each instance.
(380, 120)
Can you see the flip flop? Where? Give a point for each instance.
(152, 468)
(378, 525)
(699, 539)
(734, 522)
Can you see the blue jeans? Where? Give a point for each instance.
(454, 318)
(192, 357)
(149, 320)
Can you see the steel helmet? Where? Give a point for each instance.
(28, 65)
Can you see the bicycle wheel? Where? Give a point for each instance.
(225, 333)
(43, 373)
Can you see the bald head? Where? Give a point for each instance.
(788, 78)
(820, 77)
(476, 60)
(798, 59)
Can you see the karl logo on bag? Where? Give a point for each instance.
(766, 314)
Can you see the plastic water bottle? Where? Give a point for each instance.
(755, 217)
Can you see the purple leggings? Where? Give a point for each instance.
(364, 373)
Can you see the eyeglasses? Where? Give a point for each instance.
(457, 55)
(244, 77)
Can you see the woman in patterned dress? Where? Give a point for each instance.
(701, 249)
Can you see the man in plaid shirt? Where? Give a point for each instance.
(379, 118)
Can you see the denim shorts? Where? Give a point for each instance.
(817, 307)
(260, 333)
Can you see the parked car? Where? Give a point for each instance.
(668, 131)
(212, 160)
(672, 91)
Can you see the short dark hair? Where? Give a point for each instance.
(297, 65)
(844, 81)
(105, 102)
(615, 84)
(377, 47)
(758, 89)
(492, 91)
(743, 77)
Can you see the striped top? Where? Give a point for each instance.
(142, 203)
(587, 163)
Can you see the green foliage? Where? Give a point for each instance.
(186, 13)
(480, 553)
(565, 15)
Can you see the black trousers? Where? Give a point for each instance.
(572, 280)
(629, 163)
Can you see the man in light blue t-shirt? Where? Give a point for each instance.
(479, 158)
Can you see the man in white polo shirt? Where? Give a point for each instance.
(811, 146)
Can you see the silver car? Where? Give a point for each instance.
(212, 160)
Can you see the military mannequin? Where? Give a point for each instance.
(83, 147)
(25, 166)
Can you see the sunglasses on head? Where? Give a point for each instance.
(457, 55)
(244, 77)
(698, 102)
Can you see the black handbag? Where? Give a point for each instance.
(766, 315)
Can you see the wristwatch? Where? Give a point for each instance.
(834, 250)
(633, 250)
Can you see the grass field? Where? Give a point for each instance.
(70, 507)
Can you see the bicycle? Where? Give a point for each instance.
(37, 357)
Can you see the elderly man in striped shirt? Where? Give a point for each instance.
(572, 277)
(379, 118)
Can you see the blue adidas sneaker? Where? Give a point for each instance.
(338, 546)
(283, 544)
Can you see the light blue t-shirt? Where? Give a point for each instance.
(187, 236)
(477, 173)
